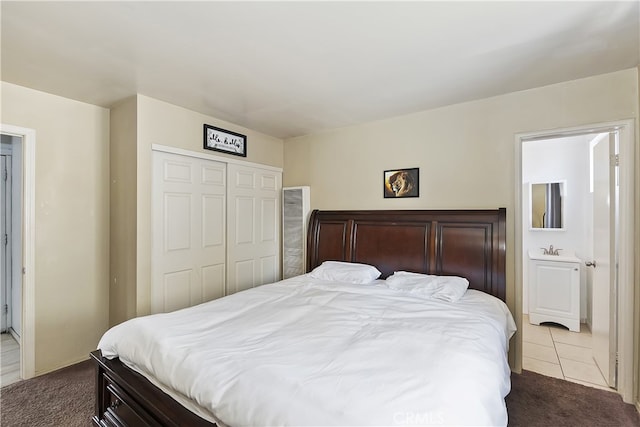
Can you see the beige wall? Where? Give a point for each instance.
(465, 152)
(155, 122)
(167, 124)
(636, 287)
(122, 256)
(71, 222)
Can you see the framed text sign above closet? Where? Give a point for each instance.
(225, 141)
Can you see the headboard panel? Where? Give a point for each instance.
(468, 243)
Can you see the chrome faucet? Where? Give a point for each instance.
(550, 251)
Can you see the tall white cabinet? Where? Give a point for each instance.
(296, 204)
(215, 228)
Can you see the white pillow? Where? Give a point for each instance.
(413, 282)
(346, 272)
(446, 288)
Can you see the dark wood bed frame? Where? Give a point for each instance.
(468, 243)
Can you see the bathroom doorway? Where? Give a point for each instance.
(570, 157)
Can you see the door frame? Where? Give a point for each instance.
(9, 247)
(27, 338)
(626, 282)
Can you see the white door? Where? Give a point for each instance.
(5, 243)
(253, 227)
(604, 250)
(189, 234)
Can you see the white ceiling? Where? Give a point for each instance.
(294, 68)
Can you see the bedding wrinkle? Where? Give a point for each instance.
(366, 352)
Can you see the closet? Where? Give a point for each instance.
(215, 228)
(253, 227)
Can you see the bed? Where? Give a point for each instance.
(356, 354)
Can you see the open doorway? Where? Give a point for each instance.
(575, 303)
(559, 290)
(10, 257)
(22, 319)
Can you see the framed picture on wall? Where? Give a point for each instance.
(402, 183)
(225, 141)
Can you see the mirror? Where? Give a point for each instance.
(547, 205)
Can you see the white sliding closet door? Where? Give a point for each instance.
(189, 231)
(253, 250)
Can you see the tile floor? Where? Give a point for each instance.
(9, 360)
(556, 352)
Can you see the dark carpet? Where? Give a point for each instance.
(66, 398)
(63, 398)
(536, 400)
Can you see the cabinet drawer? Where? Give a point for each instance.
(123, 411)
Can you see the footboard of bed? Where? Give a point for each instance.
(126, 398)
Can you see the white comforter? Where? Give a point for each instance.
(308, 352)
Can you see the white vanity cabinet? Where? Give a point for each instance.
(554, 290)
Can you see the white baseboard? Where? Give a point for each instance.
(15, 335)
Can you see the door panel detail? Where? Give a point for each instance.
(254, 221)
(188, 231)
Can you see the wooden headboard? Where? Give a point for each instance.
(467, 243)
